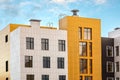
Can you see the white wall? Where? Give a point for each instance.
(37, 53)
(15, 55)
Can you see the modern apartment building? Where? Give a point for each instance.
(107, 58)
(34, 52)
(84, 47)
(31, 52)
(116, 35)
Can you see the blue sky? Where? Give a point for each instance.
(49, 11)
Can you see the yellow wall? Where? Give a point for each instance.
(71, 24)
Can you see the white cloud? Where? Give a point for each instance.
(100, 1)
(63, 1)
(4, 1)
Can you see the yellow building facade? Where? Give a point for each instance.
(84, 47)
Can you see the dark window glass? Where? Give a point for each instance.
(60, 62)
(88, 77)
(29, 43)
(109, 51)
(44, 44)
(83, 48)
(6, 78)
(30, 77)
(117, 78)
(109, 66)
(61, 44)
(83, 66)
(81, 78)
(90, 64)
(117, 50)
(6, 38)
(90, 49)
(28, 61)
(45, 77)
(6, 66)
(62, 77)
(80, 33)
(110, 78)
(87, 33)
(46, 62)
(117, 66)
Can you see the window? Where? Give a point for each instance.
(6, 66)
(30, 77)
(117, 50)
(6, 38)
(109, 51)
(87, 33)
(88, 77)
(45, 77)
(109, 78)
(62, 77)
(44, 44)
(83, 48)
(109, 66)
(90, 49)
(90, 68)
(7, 78)
(81, 78)
(60, 62)
(46, 62)
(117, 78)
(83, 66)
(61, 44)
(117, 66)
(80, 33)
(29, 43)
(28, 61)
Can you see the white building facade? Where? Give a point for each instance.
(38, 53)
(116, 35)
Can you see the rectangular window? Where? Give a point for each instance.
(109, 51)
(110, 78)
(81, 78)
(7, 78)
(90, 68)
(62, 77)
(29, 61)
(6, 38)
(6, 66)
(80, 33)
(46, 62)
(117, 66)
(60, 62)
(30, 77)
(29, 43)
(83, 66)
(117, 50)
(117, 78)
(44, 44)
(45, 77)
(61, 44)
(109, 66)
(88, 77)
(83, 48)
(90, 49)
(87, 33)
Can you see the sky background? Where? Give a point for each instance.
(50, 11)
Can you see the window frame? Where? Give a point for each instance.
(61, 45)
(45, 77)
(44, 44)
(28, 61)
(107, 66)
(46, 62)
(30, 77)
(107, 47)
(60, 63)
(87, 33)
(30, 43)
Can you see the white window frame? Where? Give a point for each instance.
(112, 66)
(110, 78)
(107, 47)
